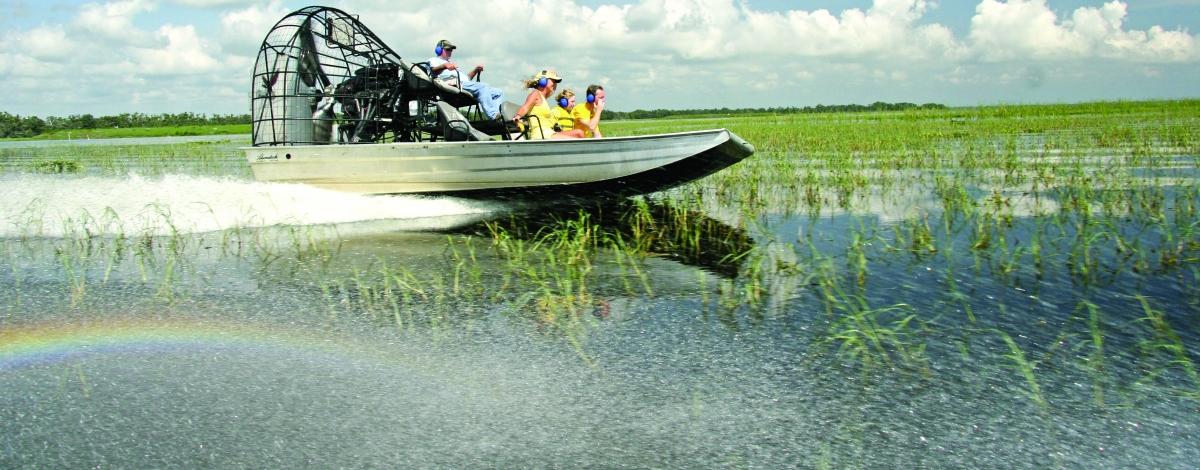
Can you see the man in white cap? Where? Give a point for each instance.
(489, 97)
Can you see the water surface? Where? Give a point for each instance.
(788, 312)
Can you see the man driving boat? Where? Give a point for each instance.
(444, 69)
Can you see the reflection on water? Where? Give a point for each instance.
(670, 231)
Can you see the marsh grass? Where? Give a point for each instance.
(1098, 191)
(117, 132)
(902, 230)
(1026, 368)
(1165, 351)
(198, 158)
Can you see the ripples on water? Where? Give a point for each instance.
(190, 320)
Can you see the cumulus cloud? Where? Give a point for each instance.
(24, 66)
(713, 42)
(212, 3)
(890, 28)
(243, 30)
(43, 42)
(1028, 29)
(667, 53)
(113, 20)
(184, 52)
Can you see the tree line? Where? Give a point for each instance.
(12, 125)
(820, 108)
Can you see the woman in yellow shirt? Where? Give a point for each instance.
(541, 123)
(587, 117)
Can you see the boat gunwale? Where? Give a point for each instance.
(627, 138)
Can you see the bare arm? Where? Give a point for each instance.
(437, 69)
(475, 71)
(530, 102)
(593, 124)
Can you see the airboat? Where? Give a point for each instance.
(334, 107)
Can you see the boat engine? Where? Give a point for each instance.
(322, 77)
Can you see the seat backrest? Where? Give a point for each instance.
(416, 77)
(508, 110)
(455, 127)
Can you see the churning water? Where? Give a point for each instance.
(54, 206)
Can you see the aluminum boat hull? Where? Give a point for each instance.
(618, 166)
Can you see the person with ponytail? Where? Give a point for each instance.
(537, 111)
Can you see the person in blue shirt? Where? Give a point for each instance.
(444, 69)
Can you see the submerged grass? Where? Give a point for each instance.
(908, 231)
(1164, 340)
(221, 158)
(1104, 194)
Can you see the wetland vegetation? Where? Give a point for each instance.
(1010, 286)
(86, 126)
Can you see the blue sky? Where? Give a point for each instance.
(106, 57)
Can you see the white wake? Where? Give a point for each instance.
(55, 206)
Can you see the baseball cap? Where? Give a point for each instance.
(548, 74)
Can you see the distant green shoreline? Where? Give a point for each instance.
(996, 110)
(116, 133)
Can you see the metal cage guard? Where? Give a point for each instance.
(322, 77)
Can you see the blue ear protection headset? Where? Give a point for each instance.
(542, 82)
(591, 98)
(563, 102)
(438, 50)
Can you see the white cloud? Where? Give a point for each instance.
(1028, 29)
(113, 20)
(691, 29)
(212, 3)
(890, 28)
(649, 53)
(183, 53)
(244, 29)
(24, 66)
(43, 42)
